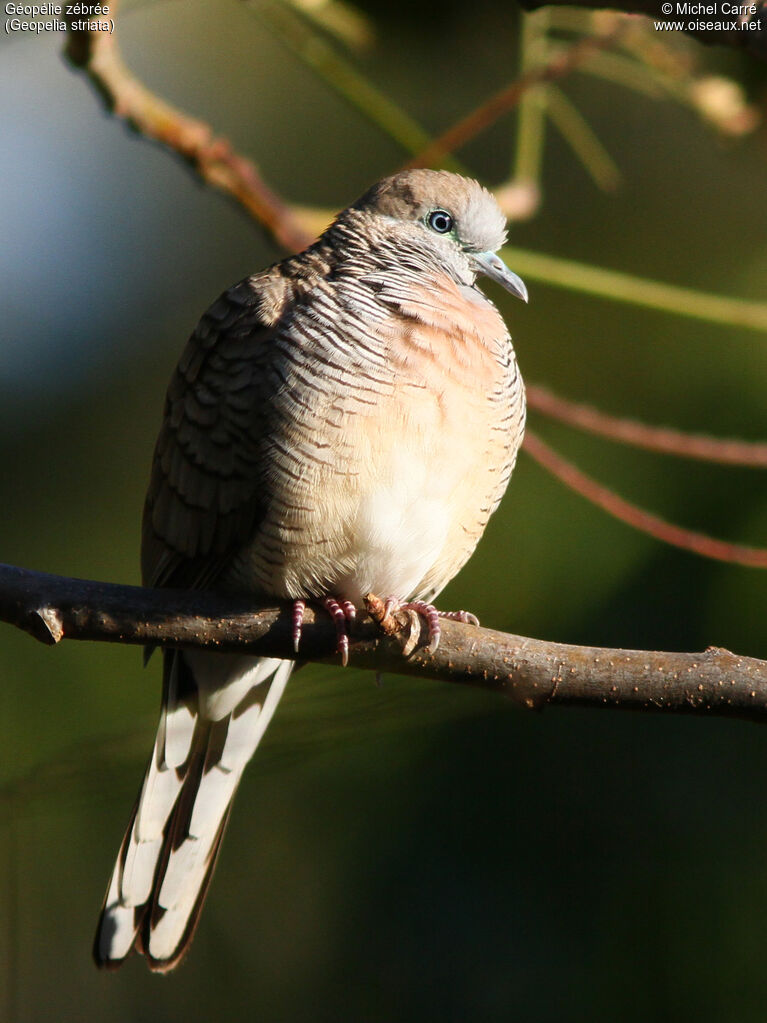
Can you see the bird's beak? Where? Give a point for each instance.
(492, 266)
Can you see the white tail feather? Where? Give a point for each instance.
(215, 712)
(180, 718)
(138, 870)
(117, 928)
(158, 794)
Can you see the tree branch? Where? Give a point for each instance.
(217, 163)
(531, 672)
(663, 439)
(479, 119)
(605, 498)
(749, 35)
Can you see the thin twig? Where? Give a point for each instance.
(531, 672)
(719, 31)
(618, 286)
(646, 522)
(507, 98)
(342, 76)
(752, 454)
(582, 139)
(213, 157)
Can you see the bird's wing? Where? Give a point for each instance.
(205, 498)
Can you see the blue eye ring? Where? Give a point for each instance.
(440, 221)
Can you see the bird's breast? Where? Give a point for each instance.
(394, 442)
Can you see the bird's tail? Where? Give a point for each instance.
(215, 710)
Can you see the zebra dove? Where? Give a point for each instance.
(344, 422)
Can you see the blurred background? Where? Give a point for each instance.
(413, 851)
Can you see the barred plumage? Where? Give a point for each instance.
(343, 422)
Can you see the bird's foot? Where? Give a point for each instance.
(382, 612)
(465, 617)
(416, 607)
(341, 611)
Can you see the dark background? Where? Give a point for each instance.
(413, 851)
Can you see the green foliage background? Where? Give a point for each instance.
(412, 851)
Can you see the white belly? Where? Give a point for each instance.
(399, 534)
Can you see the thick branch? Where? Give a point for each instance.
(532, 672)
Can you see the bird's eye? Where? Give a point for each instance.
(440, 221)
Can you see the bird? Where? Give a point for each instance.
(341, 423)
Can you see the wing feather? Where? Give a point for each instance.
(205, 492)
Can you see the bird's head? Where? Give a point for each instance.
(453, 217)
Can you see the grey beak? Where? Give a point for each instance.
(491, 265)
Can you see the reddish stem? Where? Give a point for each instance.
(653, 438)
(506, 98)
(646, 522)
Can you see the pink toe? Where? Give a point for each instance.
(299, 606)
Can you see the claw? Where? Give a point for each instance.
(342, 613)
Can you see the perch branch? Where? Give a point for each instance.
(531, 672)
